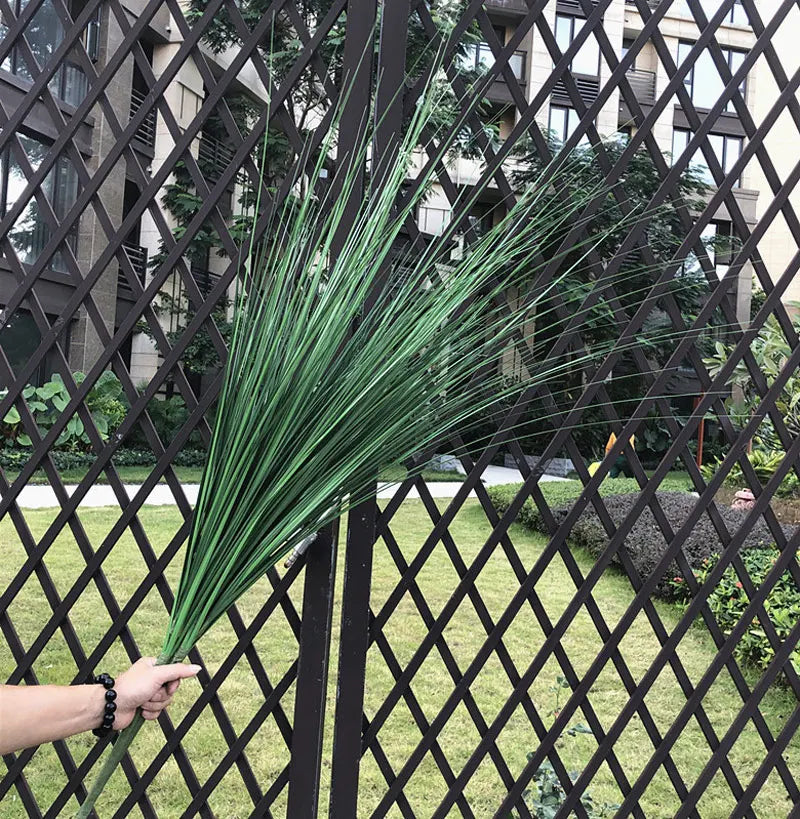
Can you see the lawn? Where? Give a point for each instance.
(192, 474)
(405, 629)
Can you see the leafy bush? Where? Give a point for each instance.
(72, 460)
(729, 600)
(146, 457)
(47, 403)
(168, 416)
(547, 795)
(765, 463)
(16, 459)
(645, 544)
(191, 457)
(771, 351)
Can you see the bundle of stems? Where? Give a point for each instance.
(320, 394)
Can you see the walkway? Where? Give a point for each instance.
(40, 497)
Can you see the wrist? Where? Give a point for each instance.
(95, 705)
(105, 684)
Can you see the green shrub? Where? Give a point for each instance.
(47, 403)
(191, 457)
(134, 457)
(645, 544)
(72, 460)
(729, 600)
(168, 416)
(146, 457)
(547, 794)
(16, 459)
(765, 463)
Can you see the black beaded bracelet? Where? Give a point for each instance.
(110, 707)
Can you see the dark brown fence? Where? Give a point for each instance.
(468, 651)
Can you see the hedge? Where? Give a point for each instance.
(645, 544)
(16, 459)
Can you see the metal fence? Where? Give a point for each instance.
(421, 721)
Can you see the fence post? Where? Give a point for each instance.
(312, 675)
(361, 523)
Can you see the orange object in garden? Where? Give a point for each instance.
(612, 439)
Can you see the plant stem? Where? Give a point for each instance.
(118, 750)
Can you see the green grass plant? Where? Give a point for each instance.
(320, 394)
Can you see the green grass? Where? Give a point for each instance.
(277, 649)
(192, 474)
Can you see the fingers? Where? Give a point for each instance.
(175, 671)
(162, 695)
(172, 687)
(152, 708)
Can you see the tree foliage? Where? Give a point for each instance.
(604, 321)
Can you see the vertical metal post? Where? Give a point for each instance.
(361, 524)
(312, 676)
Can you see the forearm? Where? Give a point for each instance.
(32, 715)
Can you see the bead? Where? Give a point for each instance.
(111, 695)
(111, 707)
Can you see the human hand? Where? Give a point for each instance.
(148, 686)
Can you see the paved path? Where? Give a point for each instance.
(41, 497)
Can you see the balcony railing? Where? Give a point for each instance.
(643, 85)
(137, 256)
(146, 132)
(204, 279)
(214, 157)
(588, 88)
(515, 7)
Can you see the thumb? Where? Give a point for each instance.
(175, 671)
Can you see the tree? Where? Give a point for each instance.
(599, 327)
(280, 50)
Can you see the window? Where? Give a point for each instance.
(19, 339)
(563, 122)
(44, 34)
(480, 57)
(726, 148)
(587, 60)
(626, 47)
(433, 221)
(736, 16)
(31, 231)
(481, 217)
(720, 245)
(703, 80)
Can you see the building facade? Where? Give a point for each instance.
(649, 79)
(131, 172)
(154, 141)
